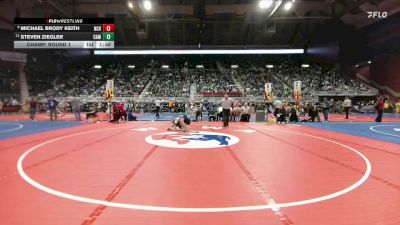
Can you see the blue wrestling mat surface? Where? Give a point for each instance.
(381, 131)
(9, 129)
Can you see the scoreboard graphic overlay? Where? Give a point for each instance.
(81, 33)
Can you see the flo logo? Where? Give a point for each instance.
(377, 14)
(203, 139)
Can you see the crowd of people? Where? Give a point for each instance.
(210, 81)
(170, 83)
(214, 81)
(181, 80)
(318, 78)
(253, 83)
(130, 83)
(9, 105)
(227, 110)
(177, 82)
(314, 78)
(90, 81)
(8, 82)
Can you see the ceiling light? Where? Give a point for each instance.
(130, 5)
(288, 6)
(265, 4)
(147, 5)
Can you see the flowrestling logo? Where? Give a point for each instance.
(202, 139)
(377, 14)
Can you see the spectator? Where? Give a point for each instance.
(236, 111)
(212, 114)
(379, 108)
(76, 108)
(313, 112)
(245, 117)
(171, 105)
(283, 113)
(293, 114)
(346, 106)
(326, 105)
(157, 103)
(52, 106)
(33, 106)
(125, 105)
(277, 111)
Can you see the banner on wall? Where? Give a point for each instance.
(297, 90)
(110, 90)
(268, 91)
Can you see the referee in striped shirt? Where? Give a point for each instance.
(226, 104)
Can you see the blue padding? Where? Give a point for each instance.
(9, 129)
(383, 131)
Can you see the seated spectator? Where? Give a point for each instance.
(219, 114)
(236, 111)
(245, 117)
(212, 114)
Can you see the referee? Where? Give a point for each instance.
(157, 102)
(226, 104)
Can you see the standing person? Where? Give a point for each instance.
(226, 104)
(346, 106)
(326, 105)
(293, 114)
(125, 105)
(61, 107)
(33, 105)
(187, 108)
(158, 107)
(379, 108)
(76, 108)
(397, 107)
(52, 106)
(197, 112)
(171, 105)
(277, 110)
(313, 112)
(99, 107)
(283, 113)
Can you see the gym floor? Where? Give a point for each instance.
(65, 172)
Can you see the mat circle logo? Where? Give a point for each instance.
(202, 139)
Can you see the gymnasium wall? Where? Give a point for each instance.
(384, 73)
